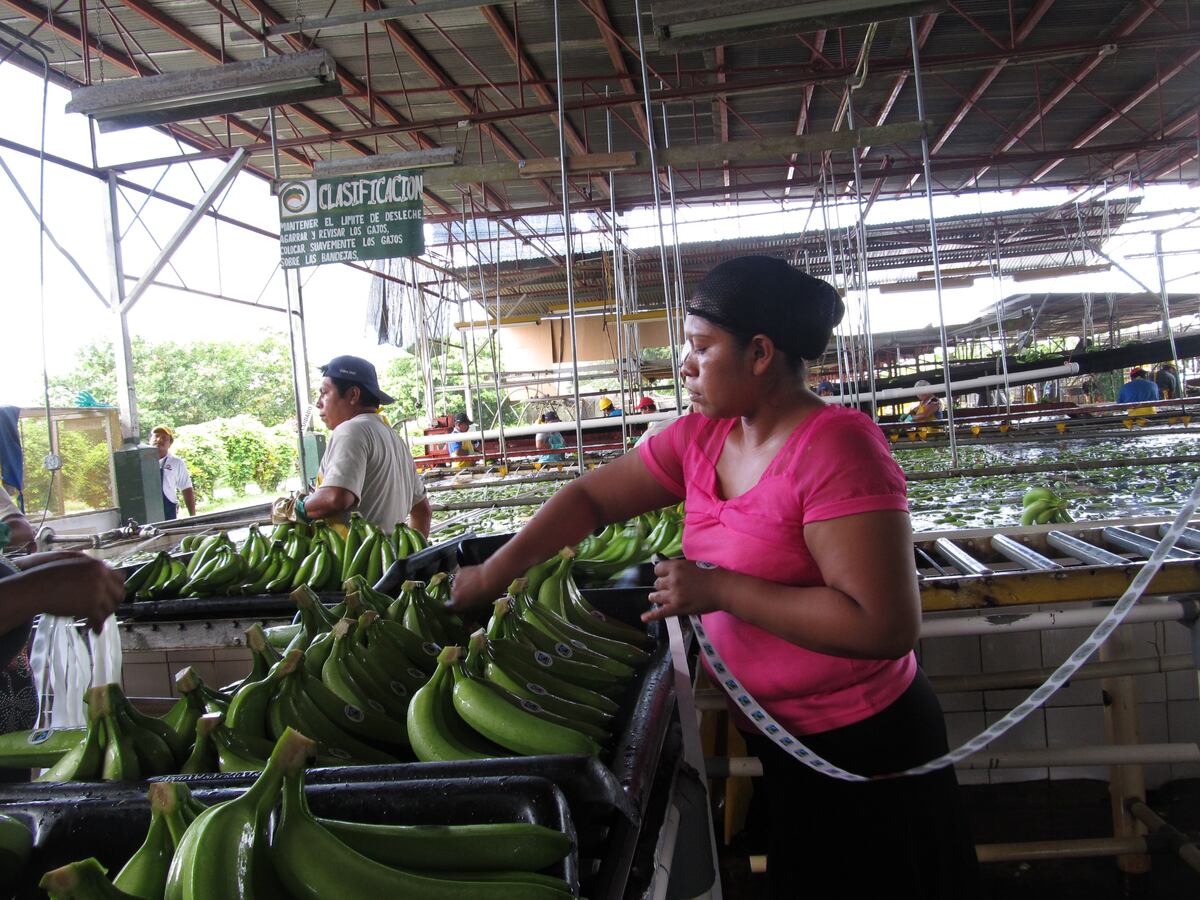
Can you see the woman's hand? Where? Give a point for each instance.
(472, 588)
(76, 586)
(683, 587)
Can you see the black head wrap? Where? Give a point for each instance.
(753, 295)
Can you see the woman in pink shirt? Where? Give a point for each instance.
(807, 590)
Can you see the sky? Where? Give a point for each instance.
(236, 263)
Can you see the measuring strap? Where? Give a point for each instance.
(766, 723)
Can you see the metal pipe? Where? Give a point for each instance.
(1079, 848)
(1189, 537)
(991, 622)
(933, 238)
(1019, 553)
(1025, 678)
(862, 253)
(1032, 758)
(567, 248)
(679, 298)
(998, 277)
(662, 251)
(618, 281)
(1083, 551)
(287, 289)
(960, 558)
(969, 383)
(1133, 542)
(1166, 313)
(1185, 847)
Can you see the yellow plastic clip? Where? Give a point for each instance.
(1061, 426)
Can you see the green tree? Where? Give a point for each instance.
(187, 383)
(403, 380)
(204, 453)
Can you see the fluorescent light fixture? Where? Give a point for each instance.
(692, 24)
(233, 87)
(408, 159)
(1057, 272)
(901, 287)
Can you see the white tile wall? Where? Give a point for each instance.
(1169, 710)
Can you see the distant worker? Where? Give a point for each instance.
(928, 408)
(367, 466)
(825, 389)
(550, 440)
(647, 405)
(1139, 389)
(1167, 379)
(462, 422)
(176, 479)
(607, 408)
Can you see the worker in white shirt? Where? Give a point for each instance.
(176, 479)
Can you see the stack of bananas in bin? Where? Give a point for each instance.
(545, 677)
(295, 554)
(605, 555)
(238, 849)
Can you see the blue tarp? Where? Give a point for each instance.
(12, 460)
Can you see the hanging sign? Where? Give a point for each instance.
(350, 218)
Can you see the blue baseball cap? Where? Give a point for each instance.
(358, 370)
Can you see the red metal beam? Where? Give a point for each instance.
(508, 38)
(815, 48)
(1126, 28)
(973, 96)
(1189, 118)
(608, 35)
(1128, 104)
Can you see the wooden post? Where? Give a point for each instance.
(1121, 723)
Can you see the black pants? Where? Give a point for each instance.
(170, 510)
(899, 838)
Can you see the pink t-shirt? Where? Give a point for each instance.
(836, 463)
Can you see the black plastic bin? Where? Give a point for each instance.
(73, 821)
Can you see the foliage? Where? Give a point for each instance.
(84, 481)
(281, 459)
(188, 383)
(245, 442)
(204, 452)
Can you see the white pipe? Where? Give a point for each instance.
(526, 430)
(986, 381)
(1070, 757)
(992, 621)
(1030, 758)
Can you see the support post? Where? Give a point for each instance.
(122, 348)
(1125, 783)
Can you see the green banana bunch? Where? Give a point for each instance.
(549, 615)
(84, 761)
(145, 875)
(1043, 506)
(83, 880)
(545, 705)
(224, 852)
(355, 535)
(576, 609)
(203, 757)
(517, 846)
(39, 748)
(506, 647)
(407, 540)
(519, 726)
(293, 707)
(16, 842)
(181, 717)
(138, 586)
(313, 864)
(347, 676)
(436, 731)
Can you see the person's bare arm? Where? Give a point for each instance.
(189, 499)
(612, 493)
(421, 515)
(868, 608)
(74, 585)
(328, 500)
